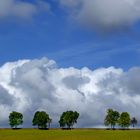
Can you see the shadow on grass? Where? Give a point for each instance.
(43, 128)
(16, 128)
(67, 128)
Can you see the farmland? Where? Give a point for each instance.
(76, 134)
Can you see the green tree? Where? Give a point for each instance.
(41, 119)
(15, 119)
(134, 122)
(68, 119)
(111, 118)
(124, 120)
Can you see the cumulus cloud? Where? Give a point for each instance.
(21, 9)
(39, 84)
(104, 15)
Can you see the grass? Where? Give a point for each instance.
(77, 134)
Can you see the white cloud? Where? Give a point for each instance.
(30, 85)
(21, 9)
(70, 3)
(104, 15)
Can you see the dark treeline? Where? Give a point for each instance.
(42, 120)
(123, 119)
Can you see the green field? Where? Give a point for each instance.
(83, 134)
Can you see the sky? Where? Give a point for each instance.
(58, 55)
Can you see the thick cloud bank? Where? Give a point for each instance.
(104, 14)
(21, 9)
(31, 85)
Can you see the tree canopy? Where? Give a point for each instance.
(41, 118)
(15, 119)
(134, 121)
(124, 120)
(111, 118)
(68, 119)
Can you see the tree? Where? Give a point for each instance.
(49, 122)
(15, 119)
(111, 118)
(124, 120)
(134, 122)
(68, 119)
(41, 119)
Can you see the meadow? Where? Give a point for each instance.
(76, 134)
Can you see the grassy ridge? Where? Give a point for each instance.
(85, 134)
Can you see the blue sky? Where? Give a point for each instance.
(55, 35)
(96, 47)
